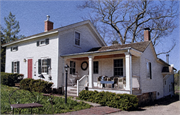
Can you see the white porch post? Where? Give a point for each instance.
(128, 58)
(90, 71)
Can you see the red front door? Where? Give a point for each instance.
(29, 68)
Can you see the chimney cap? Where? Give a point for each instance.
(47, 17)
(167, 54)
(146, 28)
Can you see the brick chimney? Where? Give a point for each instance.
(147, 34)
(48, 24)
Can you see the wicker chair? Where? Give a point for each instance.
(98, 80)
(121, 82)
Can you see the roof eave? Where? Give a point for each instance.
(31, 37)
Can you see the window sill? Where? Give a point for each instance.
(77, 46)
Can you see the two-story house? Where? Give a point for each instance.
(81, 47)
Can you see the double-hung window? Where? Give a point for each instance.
(15, 48)
(96, 67)
(77, 38)
(118, 67)
(15, 67)
(44, 65)
(149, 70)
(72, 67)
(43, 42)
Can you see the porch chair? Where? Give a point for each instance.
(98, 80)
(115, 79)
(121, 82)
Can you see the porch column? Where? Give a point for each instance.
(128, 58)
(90, 71)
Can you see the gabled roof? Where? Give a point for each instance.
(60, 29)
(140, 46)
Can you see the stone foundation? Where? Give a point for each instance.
(146, 98)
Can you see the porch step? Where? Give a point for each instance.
(72, 91)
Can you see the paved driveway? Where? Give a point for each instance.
(170, 109)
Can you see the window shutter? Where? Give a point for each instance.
(48, 65)
(16, 48)
(150, 70)
(11, 48)
(37, 43)
(12, 65)
(47, 41)
(39, 66)
(17, 66)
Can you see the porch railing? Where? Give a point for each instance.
(82, 83)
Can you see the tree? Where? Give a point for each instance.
(9, 34)
(128, 18)
(3, 49)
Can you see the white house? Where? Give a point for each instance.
(81, 47)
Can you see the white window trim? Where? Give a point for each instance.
(79, 46)
(124, 71)
(43, 40)
(150, 77)
(14, 50)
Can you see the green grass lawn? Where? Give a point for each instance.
(23, 96)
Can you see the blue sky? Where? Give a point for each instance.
(32, 14)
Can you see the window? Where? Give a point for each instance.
(77, 38)
(14, 48)
(118, 67)
(149, 70)
(72, 67)
(15, 67)
(43, 65)
(43, 42)
(96, 67)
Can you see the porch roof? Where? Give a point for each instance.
(140, 46)
(135, 49)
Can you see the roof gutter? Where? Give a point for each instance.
(84, 53)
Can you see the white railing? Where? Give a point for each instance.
(82, 83)
(135, 82)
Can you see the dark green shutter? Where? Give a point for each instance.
(48, 65)
(150, 70)
(39, 66)
(12, 67)
(17, 66)
(47, 41)
(37, 43)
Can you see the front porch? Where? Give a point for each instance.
(85, 70)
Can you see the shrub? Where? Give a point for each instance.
(10, 79)
(36, 85)
(121, 101)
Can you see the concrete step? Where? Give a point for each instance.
(72, 92)
(136, 91)
(73, 89)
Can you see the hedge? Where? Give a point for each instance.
(10, 78)
(36, 85)
(120, 101)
